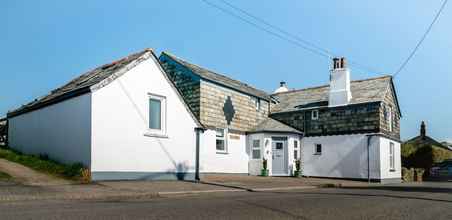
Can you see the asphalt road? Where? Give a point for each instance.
(377, 203)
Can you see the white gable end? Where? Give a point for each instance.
(122, 140)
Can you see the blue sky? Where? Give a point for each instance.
(44, 44)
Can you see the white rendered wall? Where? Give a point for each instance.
(234, 161)
(384, 159)
(62, 131)
(120, 124)
(255, 165)
(343, 156)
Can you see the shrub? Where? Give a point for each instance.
(407, 174)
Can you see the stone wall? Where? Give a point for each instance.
(212, 100)
(352, 119)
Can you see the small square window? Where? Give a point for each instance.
(257, 103)
(318, 149)
(221, 140)
(315, 114)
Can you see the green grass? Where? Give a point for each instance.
(4, 176)
(43, 164)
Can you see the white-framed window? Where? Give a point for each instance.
(391, 157)
(256, 149)
(387, 112)
(257, 103)
(315, 114)
(156, 115)
(317, 149)
(295, 150)
(221, 140)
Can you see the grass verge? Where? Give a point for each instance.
(43, 164)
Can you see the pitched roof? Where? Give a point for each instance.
(82, 84)
(96, 79)
(219, 78)
(363, 91)
(273, 126)
(419, 141)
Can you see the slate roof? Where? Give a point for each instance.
(273, 126)
(219, 78)
(363, 91)
(83, 83)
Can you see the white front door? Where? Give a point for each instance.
(279, 157)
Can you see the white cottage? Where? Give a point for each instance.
(144, 117)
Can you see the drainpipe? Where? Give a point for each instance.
(198, 132)
(369, 137)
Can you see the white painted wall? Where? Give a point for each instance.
(62, 131)
(120, 122)
(384, 159)
(343, 156)
(255, 165)
(234, 161)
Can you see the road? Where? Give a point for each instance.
(327, 203)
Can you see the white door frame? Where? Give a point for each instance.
(285, 142)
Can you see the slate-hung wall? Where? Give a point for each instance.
(207, 100)
(352, 119)
(391, 103)
(186, 82)
(246, 116)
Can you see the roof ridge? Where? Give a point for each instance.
(327, 85)
(177, 59)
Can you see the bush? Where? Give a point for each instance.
(44, 164)
(423, 156)
(407, 174)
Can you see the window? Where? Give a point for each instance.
(315, 114)
(295, 151)
(318, 149)
(391, 157)
(387, 112)
(221, 140)
(157, 115)
(257, 103)
(256, 149)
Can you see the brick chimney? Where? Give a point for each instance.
(340, 93)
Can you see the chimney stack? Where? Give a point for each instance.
(340, 93)
(423, 131)
(282, 87)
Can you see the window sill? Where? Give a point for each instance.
(318, 154)
(155, 135)
(222, 152)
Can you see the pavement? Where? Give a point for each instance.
(421, 201)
